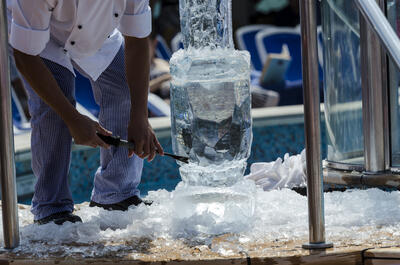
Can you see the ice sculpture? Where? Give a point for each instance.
(210, 97)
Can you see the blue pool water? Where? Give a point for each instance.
(269, 143)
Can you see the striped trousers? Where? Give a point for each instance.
(118, 176)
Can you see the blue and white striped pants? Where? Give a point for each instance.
(118, 175)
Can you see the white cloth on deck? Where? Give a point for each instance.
(286, 173)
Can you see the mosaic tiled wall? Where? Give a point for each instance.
(269, 143)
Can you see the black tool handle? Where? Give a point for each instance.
(112, 140)
(116, 141)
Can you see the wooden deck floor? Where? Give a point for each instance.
(275, 253)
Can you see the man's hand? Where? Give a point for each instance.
(83, 130)
(137, 65)
(142, 135)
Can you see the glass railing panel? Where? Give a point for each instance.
(342, 82)
(393, 15)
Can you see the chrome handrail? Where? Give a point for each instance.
(381, 26)
(7, 166)
(315, 195)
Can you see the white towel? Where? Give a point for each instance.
(286, 173)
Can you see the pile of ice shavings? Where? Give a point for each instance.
(352, 217)
(356, 217)
(168, 227)
(286, 173)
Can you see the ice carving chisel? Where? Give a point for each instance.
(117, 141)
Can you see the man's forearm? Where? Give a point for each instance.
(137, 65)
(43, 83)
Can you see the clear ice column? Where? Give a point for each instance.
(210, 96)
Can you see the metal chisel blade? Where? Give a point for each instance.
(127, 144)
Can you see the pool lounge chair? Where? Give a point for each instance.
(246, 40)
(271, 40)
(20, 121)
(162, 49)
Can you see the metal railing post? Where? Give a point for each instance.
(374, 98)
(309, 51)
(7, 166)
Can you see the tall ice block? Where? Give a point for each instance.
(210, 97)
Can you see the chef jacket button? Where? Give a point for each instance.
(72, 42)
(79, 26)
(116, 15)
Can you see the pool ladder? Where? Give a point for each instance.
(376, 33)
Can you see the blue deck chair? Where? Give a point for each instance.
(272, 40)
(162, 49)
(176, 42)
(18, 116)
(320, 40)
(246, 40)
(85, 98)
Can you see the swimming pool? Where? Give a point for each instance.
(276, 131)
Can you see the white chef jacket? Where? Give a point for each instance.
(87, 32)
